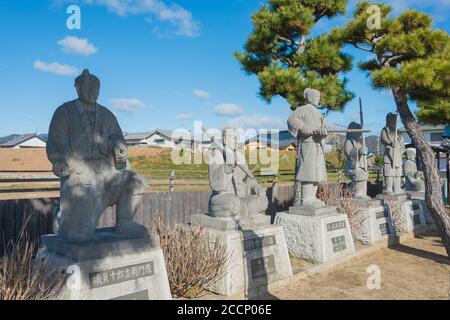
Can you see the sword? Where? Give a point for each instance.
(221, 149)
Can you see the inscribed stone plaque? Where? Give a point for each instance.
(381, 214)
(261, 267)
(109, 277)
(257, 243)
(140, 295)
(384, 228)
(416, 219)
(338, 243)
(335, 225)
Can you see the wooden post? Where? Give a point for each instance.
(172, 181)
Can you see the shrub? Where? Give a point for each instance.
(23, 278)
(336, 195)
(194, 258)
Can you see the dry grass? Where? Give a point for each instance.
(23, 278)
(194, 258)
(336, 195)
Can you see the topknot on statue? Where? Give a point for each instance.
(312, 96)
(88, 87)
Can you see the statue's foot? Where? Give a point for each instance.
(131, 228)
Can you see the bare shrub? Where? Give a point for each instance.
(21, 277)
(398, 219)
(194, 258)
(336, 195)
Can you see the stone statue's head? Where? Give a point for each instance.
(312, 96)
(88, 87)
(354, 135)
(410, 154)
(391, 120)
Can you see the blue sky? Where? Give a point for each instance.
(162, 64)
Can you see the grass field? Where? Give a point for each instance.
(155, 164)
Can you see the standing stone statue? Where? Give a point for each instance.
(306, 125)
(392, 160)
(88, 151)
(355, 168)
(414, 178)
(234, 194)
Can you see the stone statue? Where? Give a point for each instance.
(414, 178)
(234, 194)
(87, 150)
(306, 125)
(354, 165)
(392, 160)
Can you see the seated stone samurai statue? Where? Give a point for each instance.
(234, 192)
(414, 178)
(87, 150)
(355, 168)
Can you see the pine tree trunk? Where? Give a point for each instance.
(427, 160)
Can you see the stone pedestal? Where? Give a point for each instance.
(420, 196)
(109, 267)
(373, 224)
(412, 216)
(409, 213)
(259, 256)
(319, 234)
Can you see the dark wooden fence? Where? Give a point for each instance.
(175, 207)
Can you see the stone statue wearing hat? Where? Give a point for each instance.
(414, 178)
(88, 151)
(393, 153)
(306, 125)
(355, 168)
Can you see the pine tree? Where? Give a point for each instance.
(287, 60)
(412, 60)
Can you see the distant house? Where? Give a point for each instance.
(284, 140)
(162, 138)
(31, 140)
(434, 136)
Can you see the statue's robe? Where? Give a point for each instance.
(310, 152)
(392, 160)
(223, 201)
(253, 197)
(354, 164)
(94, 182)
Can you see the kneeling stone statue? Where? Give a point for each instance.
(234, 194)
(414, 178)
(88, 151)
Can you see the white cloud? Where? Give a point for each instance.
(184, 117)
(127, 105)
(228, 109)
(75, 45)
(179, 19)
(56, 68)
(201, 93)
(256, 121)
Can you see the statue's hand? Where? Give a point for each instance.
(322, 132)
(61, 169)
(120, 153)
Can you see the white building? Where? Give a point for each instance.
(31, 140)
(165, 139)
